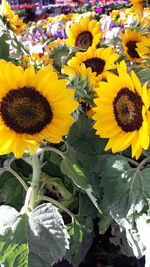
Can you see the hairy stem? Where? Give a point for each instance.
(34, 198)
(53, 149)
(133, 162)
(19, 178)
(139, 167)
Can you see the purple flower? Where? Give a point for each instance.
(61, 35)
(65, 11)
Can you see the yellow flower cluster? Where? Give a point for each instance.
(40, 60)
(122, 103)
(16, 25)
(133, 14)
(69, 17)
(36, 106)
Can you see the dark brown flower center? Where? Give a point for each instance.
(25, 111)
(85, 105)
(128, 110)
(84, 40)
(131, 45)
(97, 64)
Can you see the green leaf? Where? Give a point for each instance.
(106, 218)
(85, 158)
(83, 139)
(13, 241)
(143, 229)
(48, 234)
(126, 191)
(51, 166)
(85, 207)
(75, 231)
(58, 183)
(71, 169)
(12, 191)
(83, 90)
(81, 238)
(20, 166)
(4, 47)
(58, 55)
(126, 196)
(39, 237)
(144, 75)
(119, 239)
(134, 243)
(55, 158)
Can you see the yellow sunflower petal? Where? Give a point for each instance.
(135, 144)
(144, 135)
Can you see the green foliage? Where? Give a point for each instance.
(81, 238)
(82, 132)
(71, 169)
(83, 90)
(119, 239)
(144, 76)
(126, 193)
(143, 231)
(61, 54)
(39, 237)
(131, 187)
(4, 46)
(58, 183)
(13, 239)
(83, 163)
(12, 191)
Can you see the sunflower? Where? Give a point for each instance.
(138, 5)
(100, 61)
(84, 33)
(121, 112)
(14, 23)
(143, 48)
(130, 39)
(34, 107)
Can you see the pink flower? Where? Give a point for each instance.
(98, 9)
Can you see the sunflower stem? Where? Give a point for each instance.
(133, 162)
(138, 169)
(19, 178)
(25, 209)
(53, 149)
(34, 197)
